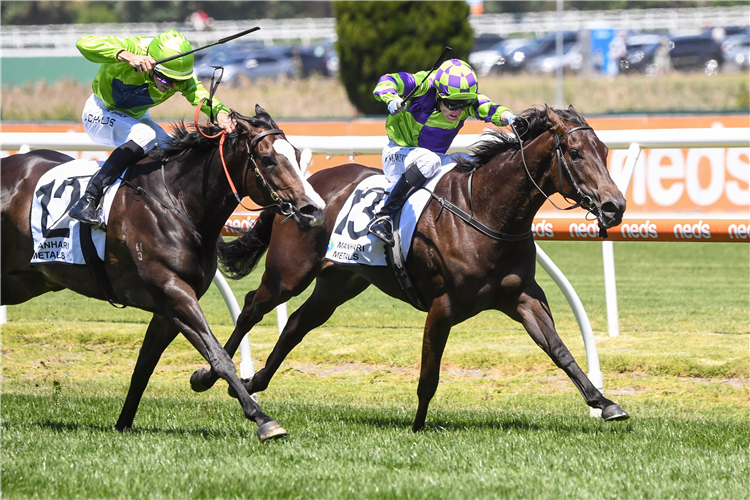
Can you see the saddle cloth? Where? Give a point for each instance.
(56, 236)
(350, 241)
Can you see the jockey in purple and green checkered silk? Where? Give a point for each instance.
(422, 123)
(422, 129)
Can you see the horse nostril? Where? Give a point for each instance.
(612, 211)
(309, 209)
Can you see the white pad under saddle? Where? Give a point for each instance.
(350, 241)
(56, 236)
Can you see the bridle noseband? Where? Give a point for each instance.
(586, 201)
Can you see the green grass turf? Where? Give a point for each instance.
(505, 422)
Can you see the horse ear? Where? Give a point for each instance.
(553, 117)
(263, 115)
(579, 115)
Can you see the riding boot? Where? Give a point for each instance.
(382, 225)
(88, 208)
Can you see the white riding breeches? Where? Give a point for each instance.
(397, 158)
(113, 128)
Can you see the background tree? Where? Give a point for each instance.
(375, 38)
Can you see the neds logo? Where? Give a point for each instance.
(542, 229)
(590, 230)
(645, 230)
(697, 231)
(739, 231)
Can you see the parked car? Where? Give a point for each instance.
(484, 61)
(262, 63)
(515, 60)
(736, 51)
(486, 41)
(696, 53)
(687, 53)
(640, 53)
(571, 60)
(215, 55)
(320, 58)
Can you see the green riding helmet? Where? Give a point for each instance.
(171, 43)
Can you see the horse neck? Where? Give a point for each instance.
(502, 193)
(203, 191)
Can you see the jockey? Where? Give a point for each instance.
(421, 129)
(128, 83)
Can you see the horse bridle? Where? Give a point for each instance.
(285, 207)
(586, 201)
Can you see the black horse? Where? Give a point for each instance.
(161, 239)
(457, 269)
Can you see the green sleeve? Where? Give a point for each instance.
(105, 49)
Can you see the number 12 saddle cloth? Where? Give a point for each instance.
(57, 237)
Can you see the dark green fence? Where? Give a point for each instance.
(21, 70)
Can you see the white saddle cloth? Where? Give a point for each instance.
(57, 236)
(350, 241)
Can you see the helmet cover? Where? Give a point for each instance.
(455, 79)
(170, 43)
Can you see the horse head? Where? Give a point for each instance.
(275, 174)
(581, 167)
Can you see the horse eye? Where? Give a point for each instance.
(575, 154)
(267, 162)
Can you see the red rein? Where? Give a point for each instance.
(223, 135)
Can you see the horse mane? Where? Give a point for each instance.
(185, 139)
(531, 123)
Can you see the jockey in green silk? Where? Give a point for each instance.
(128, 84)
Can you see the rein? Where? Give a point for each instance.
(476, 224)
(285, 208)
(586, 201)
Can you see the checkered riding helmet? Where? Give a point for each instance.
(171, 43)
(456, 80)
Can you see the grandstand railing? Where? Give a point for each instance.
(60, 39)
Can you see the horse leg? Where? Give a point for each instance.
(333, 287)
(19, 287)
(537, 319)
(159, 334)
(189, 318)
(436, 331)
(258, 303)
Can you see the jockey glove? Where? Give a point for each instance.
(396, 106)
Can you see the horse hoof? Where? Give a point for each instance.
(614, 413)
(196, 380)
(270, 430)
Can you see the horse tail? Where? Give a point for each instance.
(238, 258)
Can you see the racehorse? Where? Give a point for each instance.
(458, 269)
(162, 233)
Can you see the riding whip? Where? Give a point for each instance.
(223, 40)
(434, 67)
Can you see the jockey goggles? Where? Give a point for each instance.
(454, 105)
(164, 80)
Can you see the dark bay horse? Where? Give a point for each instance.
(161, 240)
(457, 270)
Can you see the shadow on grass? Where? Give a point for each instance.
(62, 426)
(470, 422)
